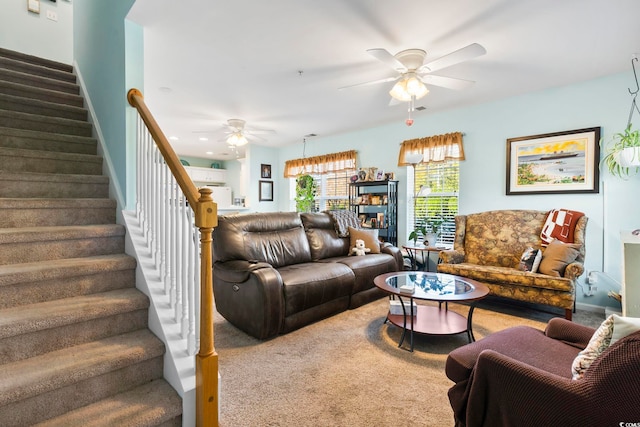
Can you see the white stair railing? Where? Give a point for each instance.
(168, 226)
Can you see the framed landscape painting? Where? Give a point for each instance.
(561, 162)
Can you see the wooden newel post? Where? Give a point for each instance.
(206, 213)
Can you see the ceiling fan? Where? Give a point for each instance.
(237, 133)
(415, 73)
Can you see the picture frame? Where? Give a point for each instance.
(554, 163)
(380, 175)
(265, 171)
(265, 191)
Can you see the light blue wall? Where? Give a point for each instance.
(134, 78)
(602, 102)
(100, 52)
(35, 34)
(257, 155)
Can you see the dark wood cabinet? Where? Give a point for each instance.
(376, 204)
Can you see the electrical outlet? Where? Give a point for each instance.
(52, 15)
(592, 278)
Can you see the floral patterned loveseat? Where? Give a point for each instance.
(488, 247)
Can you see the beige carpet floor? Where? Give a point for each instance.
(347, 370)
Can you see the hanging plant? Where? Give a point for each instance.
(623, 153)
(305, 193)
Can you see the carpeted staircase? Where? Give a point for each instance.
(74, 345)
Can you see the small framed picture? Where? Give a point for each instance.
(380, 175)
(265, 171)
(266, 191)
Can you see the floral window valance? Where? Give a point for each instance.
(437, 148)
(334, 162)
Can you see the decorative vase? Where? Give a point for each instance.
(431, 239)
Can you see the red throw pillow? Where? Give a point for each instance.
(560, 225)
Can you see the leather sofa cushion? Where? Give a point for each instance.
(322, 236)
(311, 284)
(277, 239)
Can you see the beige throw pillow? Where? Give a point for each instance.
(599, 342)
(557, 256)
(370, 238)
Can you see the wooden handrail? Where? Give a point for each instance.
(206, 219)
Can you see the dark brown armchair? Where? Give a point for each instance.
(521, 376)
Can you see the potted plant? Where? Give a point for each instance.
(623, 153)
(433, 230)
(305, 193)
(429, 229)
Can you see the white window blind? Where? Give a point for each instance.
(442, 179)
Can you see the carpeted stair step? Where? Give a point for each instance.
(49, 385)
(19, 245)
(23, 66)
(12, 76)
(34, 329)
(35, 60)
(34, 212)
(40, 281)
(26, 91)
(17, 120)
(34, 140)
(14, 185)
(43, 108)
(23, 160)
(159, 403)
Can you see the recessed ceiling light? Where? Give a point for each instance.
(174, 138)
(209, 152)
(203, 138)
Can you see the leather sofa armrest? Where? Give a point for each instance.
(250, 296)
(237, 271)
(451, 256)
(571, 333)
(574, 270)
(395, 252)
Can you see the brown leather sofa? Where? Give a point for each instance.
(276, 272)
(522, 376)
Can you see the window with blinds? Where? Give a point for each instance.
(332, 190)
(441, 202)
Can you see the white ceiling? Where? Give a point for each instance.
(209, 61)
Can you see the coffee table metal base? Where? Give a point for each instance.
(432, 320)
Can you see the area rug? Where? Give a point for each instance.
(347, 370)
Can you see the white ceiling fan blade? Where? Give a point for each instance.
(464, 54)
(446, 82)
(384, 56)
(374, 82)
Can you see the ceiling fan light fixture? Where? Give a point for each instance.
(410, 86)
(237, 139)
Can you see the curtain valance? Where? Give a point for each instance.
(317, 165)
(437, 148)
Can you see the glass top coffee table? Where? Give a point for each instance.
(429, 319)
